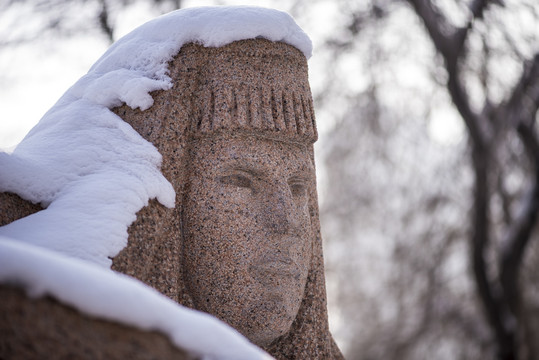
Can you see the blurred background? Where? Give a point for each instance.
(428, 158)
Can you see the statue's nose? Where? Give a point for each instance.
(280, 213)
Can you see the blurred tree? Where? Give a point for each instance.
(403, 201)
(488, 126)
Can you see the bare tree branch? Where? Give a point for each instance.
(434, 23)
(524, 101)
(522, 108)
(477, 9)
(104, 21)
(516, 240)
(496, 312)
(450, 45)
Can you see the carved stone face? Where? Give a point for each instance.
(247, 229)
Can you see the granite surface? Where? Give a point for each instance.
(13, 207)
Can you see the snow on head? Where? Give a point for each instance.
(89, 167)
(153, 44)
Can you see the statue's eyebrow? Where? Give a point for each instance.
(302, 175)
(244, 168)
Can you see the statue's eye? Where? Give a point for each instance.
(238, 180)
(298, 187)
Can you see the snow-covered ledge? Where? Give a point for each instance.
(92, 172)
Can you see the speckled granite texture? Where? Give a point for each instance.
(13, 207)
(243, 242)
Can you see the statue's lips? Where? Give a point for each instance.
(276, 267)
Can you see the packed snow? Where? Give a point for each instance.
(93, 172)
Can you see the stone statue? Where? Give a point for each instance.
(236, 133)
(243, 243)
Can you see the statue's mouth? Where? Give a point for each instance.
(273, 268)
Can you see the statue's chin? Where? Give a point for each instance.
(261, 312)
(264, 337)
(267, 326)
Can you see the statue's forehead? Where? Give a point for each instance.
(253, 151)
(250, 138)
